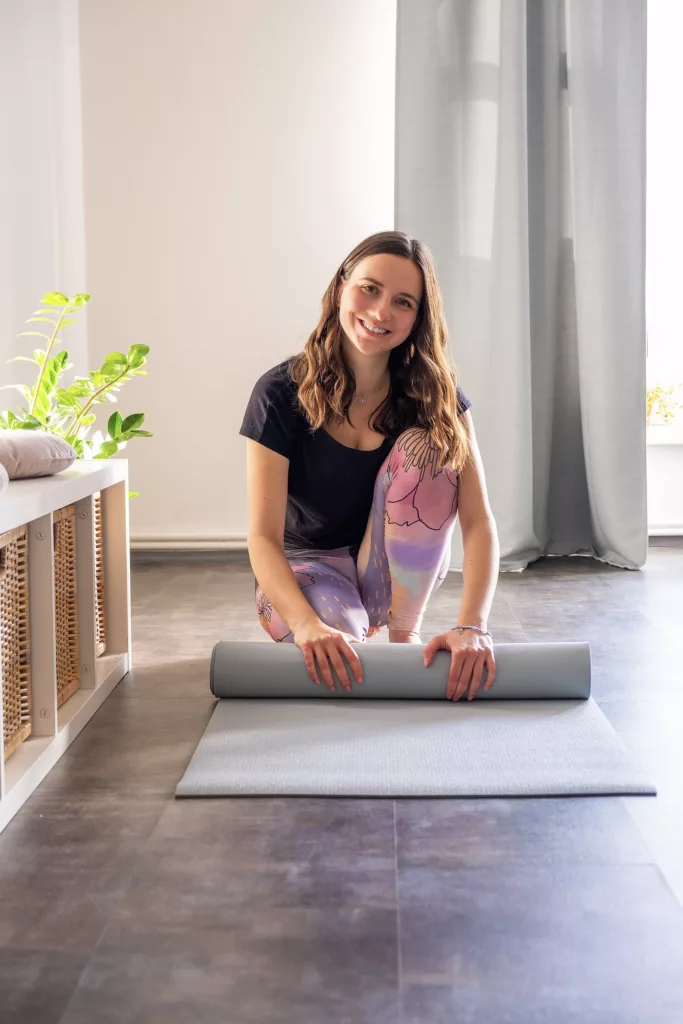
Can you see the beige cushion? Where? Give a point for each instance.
(4, 479)
(26, 453)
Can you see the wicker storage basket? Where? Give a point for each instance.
(66, 597)
(100, 620)
(66, 603)
(15, 638)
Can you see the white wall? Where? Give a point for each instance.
(233, 153)
(41, 189)
(664, 194)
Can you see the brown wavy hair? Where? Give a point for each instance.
(423, 388)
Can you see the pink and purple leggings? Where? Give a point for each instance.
(403, 559)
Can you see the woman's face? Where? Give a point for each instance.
(383, 292)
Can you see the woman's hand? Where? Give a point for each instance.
(326, 645)
(470, 654)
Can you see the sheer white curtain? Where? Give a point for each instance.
(521, 163)
(41, 178)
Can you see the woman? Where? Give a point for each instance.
(361, 453)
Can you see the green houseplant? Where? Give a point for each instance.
(69, 411)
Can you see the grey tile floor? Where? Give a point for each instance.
(119, 904)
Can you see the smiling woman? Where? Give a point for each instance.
(360, 452)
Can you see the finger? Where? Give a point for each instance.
(457, 661)
(354, 662)
(477, 673)
(430, 650)
(339, 667)
(490, 670)
(324, 666)
(465, 674)
(310, 664)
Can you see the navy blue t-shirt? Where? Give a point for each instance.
(330, 485)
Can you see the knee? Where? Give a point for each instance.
(413, 433)
(352, 619)
(413, 449)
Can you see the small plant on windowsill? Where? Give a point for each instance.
(662, 405)
(68, 412)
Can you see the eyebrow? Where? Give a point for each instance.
(407, 294)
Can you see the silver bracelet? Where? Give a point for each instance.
(461, 630)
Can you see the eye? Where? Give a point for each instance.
(368, 286)
(407, 302)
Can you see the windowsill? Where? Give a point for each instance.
(671, 433)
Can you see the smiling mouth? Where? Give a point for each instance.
(378, 332)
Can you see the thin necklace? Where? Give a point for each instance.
(362, 399)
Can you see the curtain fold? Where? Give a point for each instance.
(520, 142)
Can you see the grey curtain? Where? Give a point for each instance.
(520, 138)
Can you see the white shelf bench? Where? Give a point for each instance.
(32, 503)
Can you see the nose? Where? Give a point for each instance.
(381, 310)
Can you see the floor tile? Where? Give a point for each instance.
(528, 945)
(35, 988)
(290, 966)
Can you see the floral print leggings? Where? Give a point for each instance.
(402, 560)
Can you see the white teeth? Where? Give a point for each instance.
(375, 330)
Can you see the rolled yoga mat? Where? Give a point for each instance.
(536, 732)
(397, 672)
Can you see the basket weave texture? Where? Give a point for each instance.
(15, 639)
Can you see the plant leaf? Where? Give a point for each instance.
(33, 334)
(116, 359)
(138, 350)
(107, 449)
(114, 424)
(80, 300)
(110, 369)
(133, 494)
(55, 299)
(42, 405)
(40, 319)
(22, 359)
(141, 433)
(132, 422)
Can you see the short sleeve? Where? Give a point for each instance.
(463, 402)
(271, 417)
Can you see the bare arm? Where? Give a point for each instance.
(267, 473)
(471, 654)
(480, 539)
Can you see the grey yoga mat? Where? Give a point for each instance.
(535, 733)
(397, 672)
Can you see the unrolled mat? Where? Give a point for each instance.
(536, 732)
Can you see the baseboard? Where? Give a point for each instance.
(189, 542)
(238, 541)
